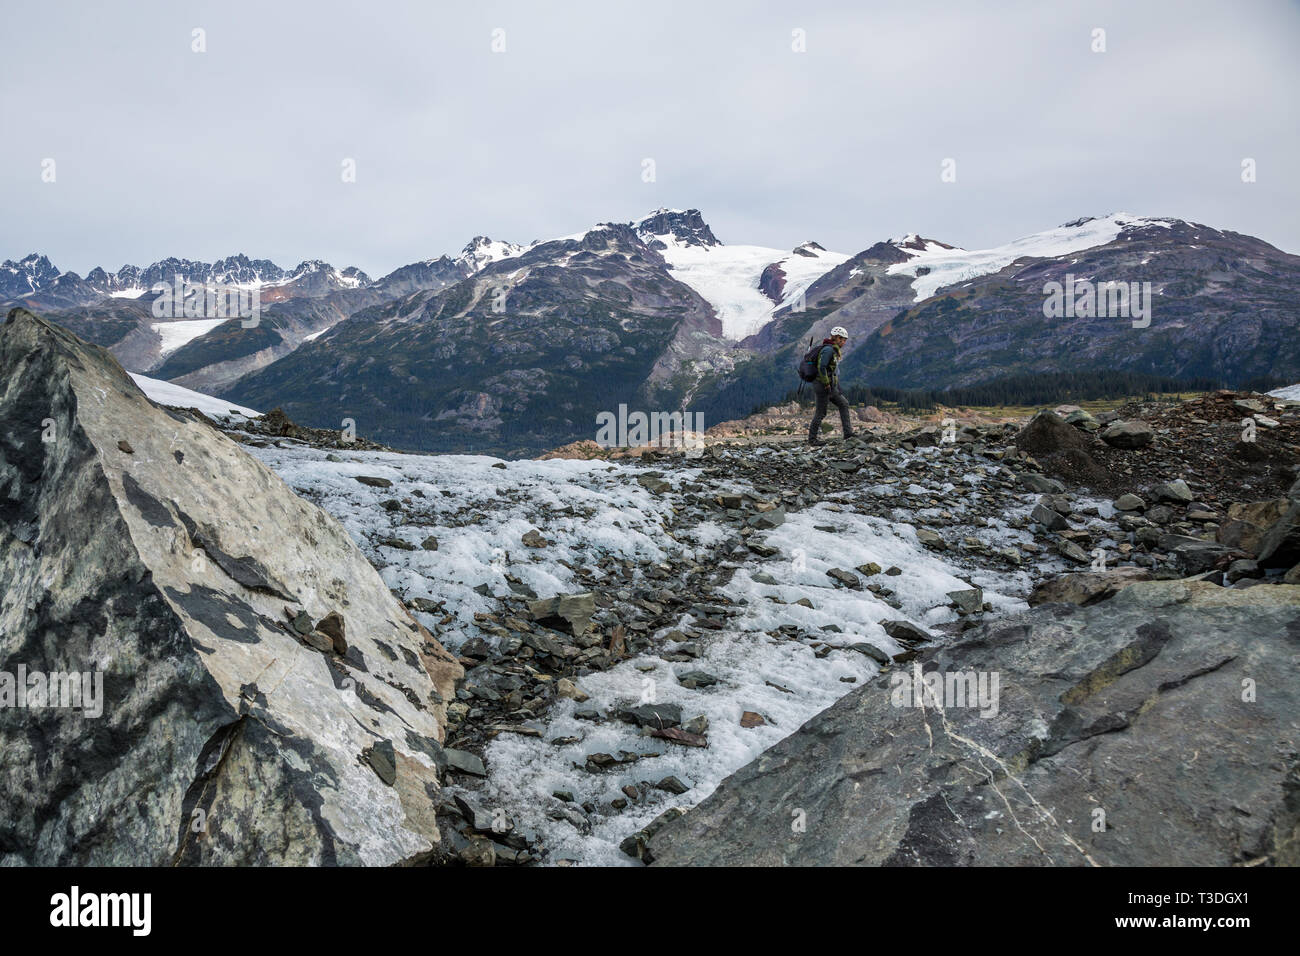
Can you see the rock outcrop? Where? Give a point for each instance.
(238, 724)
(1156, 728)
(1086, 587)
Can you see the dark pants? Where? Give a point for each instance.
(829, 394)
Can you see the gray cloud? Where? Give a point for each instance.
(161, 151)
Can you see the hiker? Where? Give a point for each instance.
(827, 385)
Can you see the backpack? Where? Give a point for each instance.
(808, 366)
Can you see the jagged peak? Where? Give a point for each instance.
(682, 227)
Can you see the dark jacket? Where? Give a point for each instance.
(828, 362)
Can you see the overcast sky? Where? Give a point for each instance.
(159, 150)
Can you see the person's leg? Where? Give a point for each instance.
(846, 423)
(822, 394)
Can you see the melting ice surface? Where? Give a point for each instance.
(594, 509)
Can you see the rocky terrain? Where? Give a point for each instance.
(379, 657)
(638, 636)
(1126, 734)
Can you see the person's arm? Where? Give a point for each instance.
(823, 366)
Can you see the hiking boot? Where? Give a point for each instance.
(815, 443)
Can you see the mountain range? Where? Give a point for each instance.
(511, 349)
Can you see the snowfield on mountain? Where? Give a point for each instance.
(936, 265)
(178, 333)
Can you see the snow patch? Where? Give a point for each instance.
(177, 396)
(1290, 393)
(950, 266)
(176, 334)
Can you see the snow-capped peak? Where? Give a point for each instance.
(913, 243)
(322, 272)
(746, 285)
(29, 274)
(481, 252)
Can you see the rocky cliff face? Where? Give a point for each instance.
(684, 226)
(265, 699)
(1157, 728)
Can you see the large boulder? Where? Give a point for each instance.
(1086, 587)
(1128, 434)
(1130, 733)
(1197, 555)
(1248, 522)
(570, 613)
(1280, 545)
(143, 549)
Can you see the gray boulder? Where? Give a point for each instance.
(564, 612)
(1124, 734)
(967, 600)
(166, 574)
(1048, 518)
(1041, 483)
(1196, 555)
(652, 715)
(1175, 491)
(931, 539)
(1086, 587)
(1280, 546)
(1128, 434)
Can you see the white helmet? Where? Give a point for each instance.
(840, 331)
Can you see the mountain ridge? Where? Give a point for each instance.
(729, 320)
